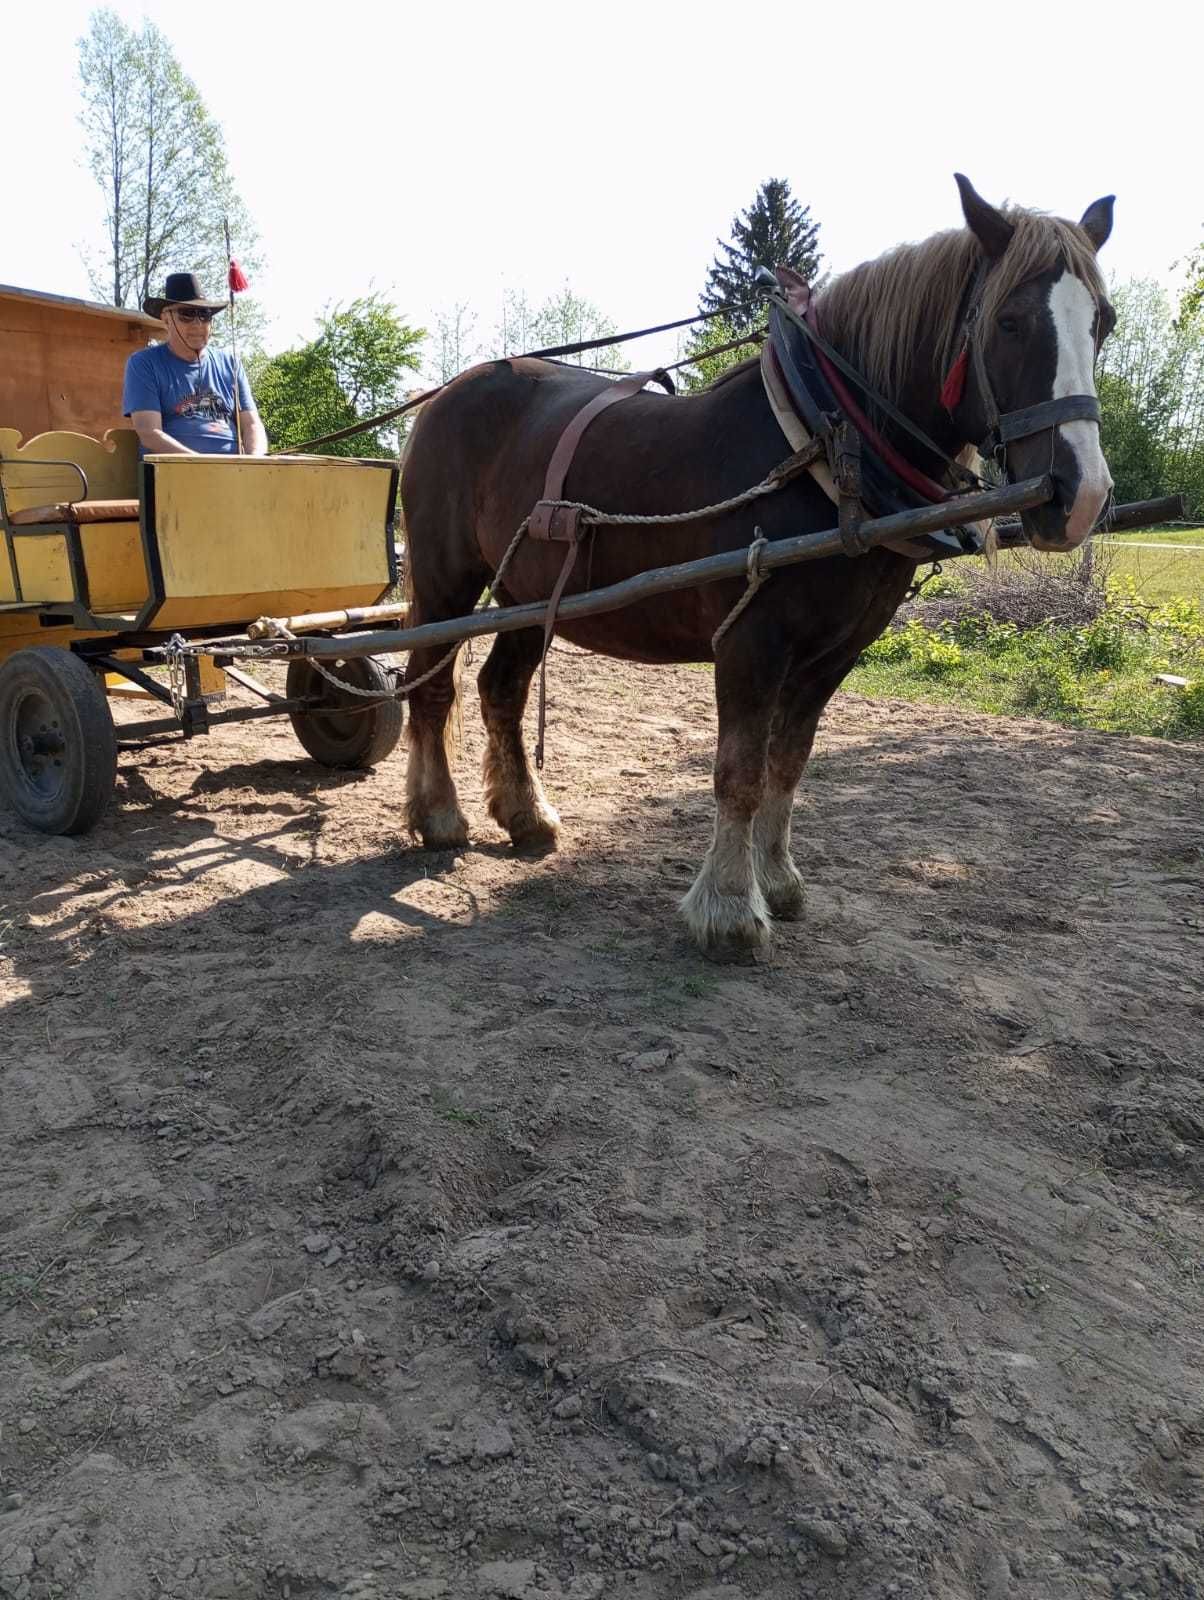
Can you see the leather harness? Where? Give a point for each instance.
(818, 415)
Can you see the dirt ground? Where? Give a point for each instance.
(396, 1226)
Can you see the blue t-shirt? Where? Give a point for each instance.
(194, 398)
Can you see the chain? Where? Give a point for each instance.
(590, 516)
(921, 584)
(174, 651)
(404, 690)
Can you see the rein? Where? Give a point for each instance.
(550, 354)
(1003, 427)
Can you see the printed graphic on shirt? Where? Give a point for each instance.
(204, 406)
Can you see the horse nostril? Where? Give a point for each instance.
(1064, 494)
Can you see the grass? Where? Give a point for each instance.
(1175, 534)
(1098, 670)
(1160, 574)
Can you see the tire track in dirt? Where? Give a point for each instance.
(377, 1224)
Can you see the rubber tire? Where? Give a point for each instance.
(352, 738)
(75, 696)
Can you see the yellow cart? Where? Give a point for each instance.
(106, 557)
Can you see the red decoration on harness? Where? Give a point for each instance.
(955, 383)
(237, 278)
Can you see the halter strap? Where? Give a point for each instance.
(1005, 427)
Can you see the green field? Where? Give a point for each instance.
(1032, 636)
(1159, 574)
(1174, 535)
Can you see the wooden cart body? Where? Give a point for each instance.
(100, 543)
(106, 556)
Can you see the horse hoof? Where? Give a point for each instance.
(443, 830)
(724, 926)
(785, 899)
(534, 832)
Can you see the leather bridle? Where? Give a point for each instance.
(1004, 427)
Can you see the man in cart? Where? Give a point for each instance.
(182, 397)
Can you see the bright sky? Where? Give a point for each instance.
(442, 152)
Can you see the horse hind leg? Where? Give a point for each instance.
(513, 792)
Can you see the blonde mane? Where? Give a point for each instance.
(878, 313)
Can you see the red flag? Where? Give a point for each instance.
(237, 278)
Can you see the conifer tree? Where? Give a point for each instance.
(774, 231)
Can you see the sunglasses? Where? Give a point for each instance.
(191, 313)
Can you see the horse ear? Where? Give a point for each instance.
(989, 226)
(798, 290)
(1096, 221)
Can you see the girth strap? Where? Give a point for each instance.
(549, 521)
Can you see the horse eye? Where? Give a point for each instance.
(1009, 325)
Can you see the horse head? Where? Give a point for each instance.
(1027, 348)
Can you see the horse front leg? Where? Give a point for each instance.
(725, 909)
(805, 692)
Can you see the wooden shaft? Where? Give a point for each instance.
(686, 575)
(1133, 514)
(327, 621)
(1144, 514)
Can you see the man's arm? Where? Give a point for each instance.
(254, 439)
(148, 425)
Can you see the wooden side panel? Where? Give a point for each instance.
(63, 367)
(267, 533)
(44, 567)
(110, 465)
(115, 566)
(18, 632)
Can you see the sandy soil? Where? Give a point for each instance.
(378, 1224)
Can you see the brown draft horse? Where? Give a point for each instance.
(476, 466)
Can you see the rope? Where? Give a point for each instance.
(403, 691)
(280, 637)
(590, 515)
(757, 575)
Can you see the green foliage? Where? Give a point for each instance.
(706, 369)
(160, 161)
(1151, 389)
(1102, 674)
(563, 318)
(932, 653)
(775, 231)
(455, 343)
(354, 369)
(1192, 304)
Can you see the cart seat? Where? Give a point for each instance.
(77, 511)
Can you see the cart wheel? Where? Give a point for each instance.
(342, 730)
(58, 747)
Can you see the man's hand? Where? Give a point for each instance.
(148, 425)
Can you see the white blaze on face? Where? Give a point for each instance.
(1072, 306)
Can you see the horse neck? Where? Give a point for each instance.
(919, 395)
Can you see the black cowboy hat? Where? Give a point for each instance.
(181, 289)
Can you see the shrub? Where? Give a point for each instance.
(930, 653)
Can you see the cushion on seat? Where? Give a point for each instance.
(78, 511)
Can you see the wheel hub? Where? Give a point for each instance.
(40, 743)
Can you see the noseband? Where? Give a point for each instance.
(1004, 427)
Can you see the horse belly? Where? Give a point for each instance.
(647, 632)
